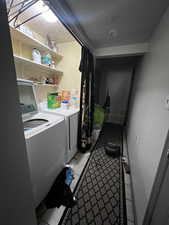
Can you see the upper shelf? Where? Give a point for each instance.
(31, 41)
(46, 85)
(30, 64)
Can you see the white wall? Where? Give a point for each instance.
(16, 198)
(149, 120)
(114, 75)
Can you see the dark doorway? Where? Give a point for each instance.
(114, 76)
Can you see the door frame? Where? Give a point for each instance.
(161, 172)
(17, 201)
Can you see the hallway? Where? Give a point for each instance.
(111, 35)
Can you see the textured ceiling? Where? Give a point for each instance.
(117, 22)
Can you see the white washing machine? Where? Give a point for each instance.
(71, 116)
(45, 136)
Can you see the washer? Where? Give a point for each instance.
(71, 116)
(45, 136)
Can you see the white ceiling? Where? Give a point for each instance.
(117, 22)
(55, 30)
(104, 23)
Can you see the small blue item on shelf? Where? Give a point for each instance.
(65, 101)
(47, 59)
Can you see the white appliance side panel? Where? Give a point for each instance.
(67, 139)
(46, 153)
(73, 123)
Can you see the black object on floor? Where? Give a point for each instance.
(60, 193)
(114, 152)
(112, 149)
(110, 133)
(100, 190)
(112, 145)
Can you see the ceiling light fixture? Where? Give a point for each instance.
(47, 13)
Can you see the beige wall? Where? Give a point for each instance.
(31, 73)
(69, 64)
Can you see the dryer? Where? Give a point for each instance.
(71, 116)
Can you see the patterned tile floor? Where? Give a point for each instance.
(98, 194)
(53, 216)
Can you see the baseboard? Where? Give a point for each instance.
(115, 118)
(126, 154)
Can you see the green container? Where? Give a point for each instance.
(99, 116)
(53, 100)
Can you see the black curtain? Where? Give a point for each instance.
(86, 100)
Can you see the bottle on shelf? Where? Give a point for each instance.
(47, 80)
(36, 56)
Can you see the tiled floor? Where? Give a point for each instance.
(78, 163)
(53, 216)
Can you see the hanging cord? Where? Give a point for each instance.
(25, 7)
(10, 6)
(19, 3)
(15, 20)
(22, 10)
(16, 5)
(30, 18)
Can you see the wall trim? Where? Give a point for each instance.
(125, 146)
(17, 200)
(122, 50)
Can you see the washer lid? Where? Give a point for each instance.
(52, 120)
(27, 98)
